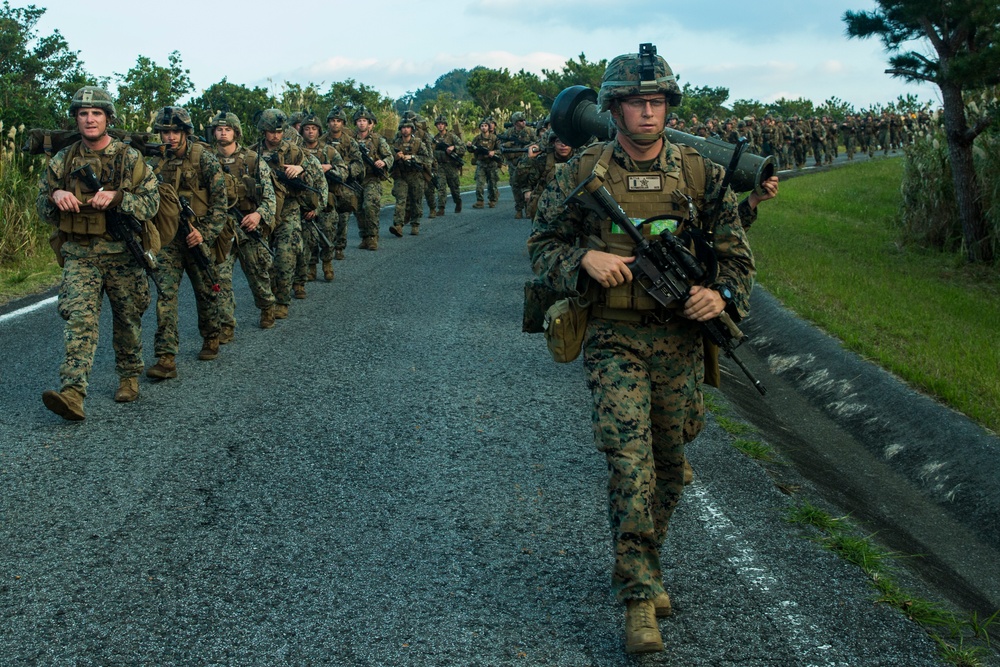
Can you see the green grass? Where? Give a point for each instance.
(829, 249)
(962, 640)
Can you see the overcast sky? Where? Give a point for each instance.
(762, 51)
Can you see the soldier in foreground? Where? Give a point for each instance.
(644, 363)
(251, 212)
(197, 177)
(94, 262)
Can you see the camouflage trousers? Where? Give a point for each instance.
(369, 207)
(327, 221)
(448, 180)
(255, 260)
(89, 273)
(516, 176)
(430, 188)
(312, 245)
(408, 189)
(645, 381)
(173, 263)
(487, 178)
(286, 241)
(339, 237)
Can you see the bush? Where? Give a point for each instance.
(21, 232)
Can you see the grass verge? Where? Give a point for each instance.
(829, 249)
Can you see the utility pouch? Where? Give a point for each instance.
(565, 327)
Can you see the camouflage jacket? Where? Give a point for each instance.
(244, 163)
(288, 153)
(348, 149)
(414, 146)
(448, 138)
(326, 154)
(378, 149)
(203, 183)
(140, 201)
(560, 233)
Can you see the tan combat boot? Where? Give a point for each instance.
(226, 333)
(493, 204)
(688, 472)
(414, 229)
(328, 271)
(518, 215)
(280, 311)
(300, 290)
(365, 243)
(311, 276)
(440, 211)
(641, 632)
(478, 204)
(164, 368)
(128, 390)
(338, 254)
(373, 243)
(662, 605)
(397, 230)
(67, 403)
(267, 317)
(209, 349)
(432, 214)
(458, 205)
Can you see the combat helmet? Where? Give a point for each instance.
(336, 113)
(173, 118)
(407, 122)
(363, 112)
(441, 119)
(296, 117)
(310, 118)
(638, 74)
(92, 97)
(516, 116)
(226, 119)
(272, 120)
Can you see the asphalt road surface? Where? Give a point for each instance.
(394, 475)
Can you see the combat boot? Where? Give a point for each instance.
(373, 243)
(226, 333)
(641, 632)
(432, 214)
(458, 205)
(478, 204)
(280, 311)
(164, 368)
(493, 204)
(662, 605)
(338, 253)
(267, 317)
(688, 472)
(414, 229)
(312, 273)
(67, 403)
(440, 211)
(397, 230)
(209, 349)
(328, 271)
(518, 214)
(365, 243)
(300, 290)
(128, 390)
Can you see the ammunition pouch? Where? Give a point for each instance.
(565, 328)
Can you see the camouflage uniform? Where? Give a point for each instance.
(244, 169)
(411, 165)
(487, 168)
(517, 137)
(371, 201)
(93, 263)
(313, 248)
(449, 166)
(644, 364)
(348, 149)
(197, 176)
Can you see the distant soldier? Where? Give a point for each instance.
(513, 142)
(347, 199)
(93, 262)
(448, 151)
(377, 155)
(540, 169)
(195, 173)
(334, 169)
(485, 148)
(251, 202)
(817, 135)
(410, 170)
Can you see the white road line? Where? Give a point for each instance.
(13, 315)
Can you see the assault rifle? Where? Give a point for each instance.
(366, 155)
(443, 147)
(319, 233)
(664, 267)
(295, 184)
(255, 234)
(198, 253)
(483, 152)
(122, 227)
(333, 179)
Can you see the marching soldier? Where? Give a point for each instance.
(410, 171)
(448, 151)
(377, 156)
(334, 169)
(346, 193)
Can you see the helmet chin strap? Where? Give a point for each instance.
(637, 137)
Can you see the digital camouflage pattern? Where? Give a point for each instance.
(313, 250)
(371, 201)
(408, 175)
(349, 151)
(449, 168)
(487, 168)
(645, 378)
(97, 265)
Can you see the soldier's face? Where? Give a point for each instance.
(273, 137)
(176, 139)
(484, 128)
(362, 124)
(644, 114)
(336, 125)
(406, 131)
(310, 132)
(91, 123)
(561, 149)
(225, 136)
(440, 126)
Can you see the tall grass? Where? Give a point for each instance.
(21, 233)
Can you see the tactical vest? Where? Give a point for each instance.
(184, 173)
(109, 167)
(242, 182)
(322, 152)
(406, 147)
(643, 195)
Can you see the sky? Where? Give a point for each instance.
(759, 51)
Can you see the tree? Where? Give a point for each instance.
(349, 93)
(704, 102)
(785, 108)
(147, 87)
(496, 90)
(965, 36)
(38, 76)
(579, 72)
(835, 108)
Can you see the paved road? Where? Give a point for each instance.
(395, 475)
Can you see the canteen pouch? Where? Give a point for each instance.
(565, 327)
